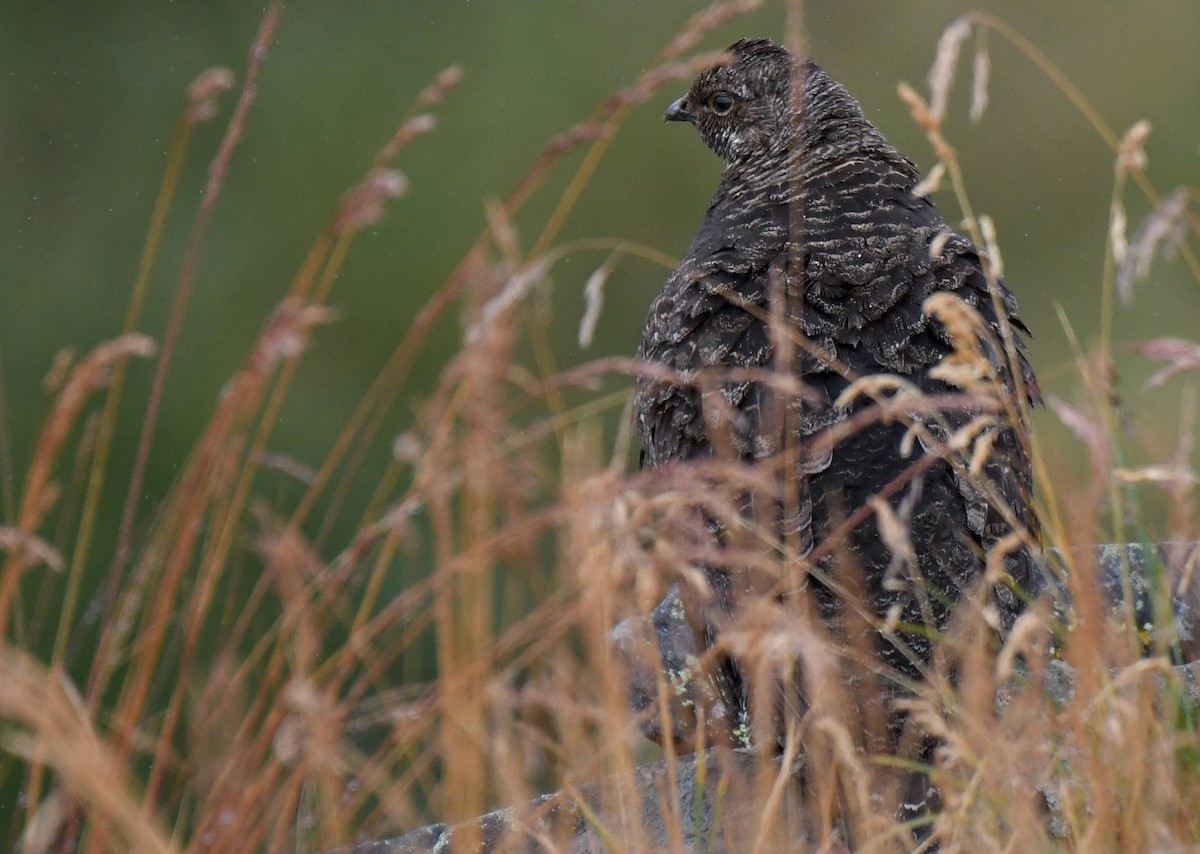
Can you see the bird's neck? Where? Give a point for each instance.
(810, 156)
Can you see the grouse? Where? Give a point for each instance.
(820, 261)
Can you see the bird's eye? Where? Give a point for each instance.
(721, 103)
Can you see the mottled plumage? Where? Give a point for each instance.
(815, 218)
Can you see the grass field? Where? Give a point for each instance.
(245, 678)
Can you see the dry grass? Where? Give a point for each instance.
(253, 689)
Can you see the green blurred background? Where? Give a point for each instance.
(90, 94)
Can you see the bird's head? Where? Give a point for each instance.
(740, 105)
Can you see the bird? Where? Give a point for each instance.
(821, 287)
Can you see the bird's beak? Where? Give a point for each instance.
(679, 112)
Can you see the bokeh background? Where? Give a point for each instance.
(90, 94)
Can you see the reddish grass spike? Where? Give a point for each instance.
(980, 77)
(1161, 234)
(92, 372)
(1181, 356)
(435, 92)
(203, 91)
(941, 74)
(29, 548)
(363, 205)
